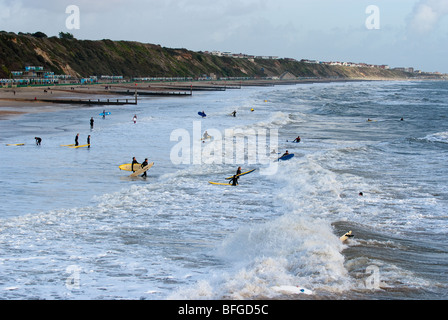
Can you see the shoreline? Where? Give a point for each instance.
(18, 101)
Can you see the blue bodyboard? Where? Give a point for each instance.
(287, 157)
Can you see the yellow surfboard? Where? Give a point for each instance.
(128, 166)
(67, 145)
(241, 174)
(81, 146)
(220, 183)
(15, 144)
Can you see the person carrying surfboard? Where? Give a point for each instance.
(238, 171)
(88, 141)
(144, 164)
(134, 161)
(234, 180)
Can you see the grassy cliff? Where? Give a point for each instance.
(84, 58)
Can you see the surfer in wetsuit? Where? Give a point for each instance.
(91, 123)
(234, 113)
(297, 139)
(134, 161)
(144, 164)
(38, 140)
(88, 141)
(285, 154)
(76, 139)
(234, 180)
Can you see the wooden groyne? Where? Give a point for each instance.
(103, 102)
(194, 88)
(155, 93)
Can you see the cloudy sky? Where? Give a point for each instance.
(400, 33)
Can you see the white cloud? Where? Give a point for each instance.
(426, 16)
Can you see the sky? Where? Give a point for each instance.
(398, 33)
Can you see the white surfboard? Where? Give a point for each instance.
(292, 290)
(141, 170)
(346, 236)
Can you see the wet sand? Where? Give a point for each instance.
(21, 100)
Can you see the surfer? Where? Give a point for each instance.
(285, 154)
(206, 135)
(104, 114)
(135, 118)
(134, 161)
(297, 139)
(38, 140)
(234, 180)
(234, 113)
(91, 123)
(76, 139)
(88, 141)
(144, 164)
(238, 171)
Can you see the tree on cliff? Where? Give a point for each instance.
(66, 35)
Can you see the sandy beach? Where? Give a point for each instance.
(21, 100)
(17, 101)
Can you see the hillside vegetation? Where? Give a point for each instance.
(84, 58)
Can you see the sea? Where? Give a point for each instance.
(372, 159)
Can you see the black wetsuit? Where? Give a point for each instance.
(144, 164)
(76, 140)
(133, 162)
(234, 181)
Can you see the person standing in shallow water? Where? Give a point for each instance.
(134, 161)
(234, 181)
(144, 164)
(76, 139)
